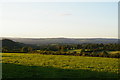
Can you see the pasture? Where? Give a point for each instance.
(26, 65)
(75, 50)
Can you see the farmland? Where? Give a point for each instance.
(28, 65)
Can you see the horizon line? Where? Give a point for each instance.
(63, 37)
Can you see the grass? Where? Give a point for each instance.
(113, 52)
(77, 50)
(23, 65)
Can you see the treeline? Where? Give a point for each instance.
(92, 47)
(87, 49)
(81, 53)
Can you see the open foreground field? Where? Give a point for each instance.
(24, 65)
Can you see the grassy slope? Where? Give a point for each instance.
(19, 65)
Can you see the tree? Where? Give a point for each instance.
(82, 51)
(26, 49)
(5, 49)
(103, 54)
(29, 49)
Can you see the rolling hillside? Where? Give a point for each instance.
(63, 40)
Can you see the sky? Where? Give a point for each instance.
(59, 19)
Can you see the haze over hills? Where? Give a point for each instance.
(38, 41)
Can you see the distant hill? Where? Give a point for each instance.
(11, 44)
(39, 41)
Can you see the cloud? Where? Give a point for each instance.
(67, 14)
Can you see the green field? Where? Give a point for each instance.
(24, 65)
(113, 52)
(76, 50)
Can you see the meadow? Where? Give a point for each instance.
(29, 65)
(75, 50)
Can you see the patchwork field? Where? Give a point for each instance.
(24, 65)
